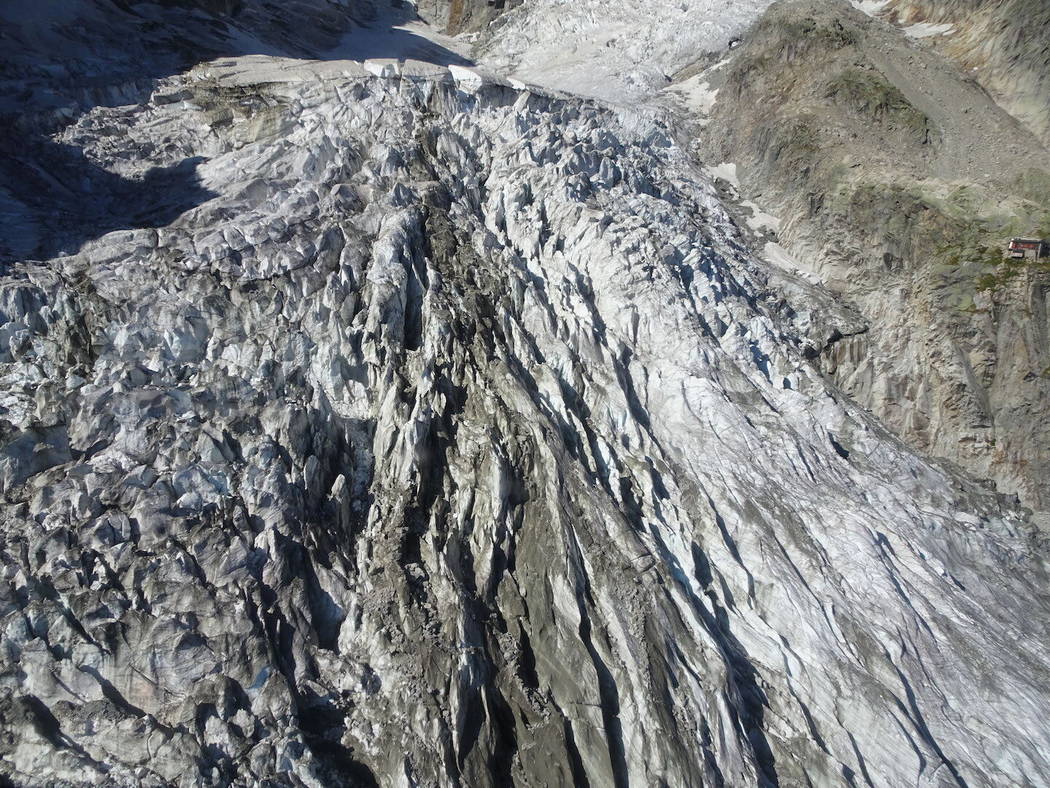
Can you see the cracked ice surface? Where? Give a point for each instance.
(612, 49)
(455, 438)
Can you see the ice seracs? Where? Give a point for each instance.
(452, 434)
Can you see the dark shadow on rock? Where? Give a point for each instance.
(68, 200)
(56, 66)
(323, 725)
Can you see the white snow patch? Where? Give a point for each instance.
(727, 172)
(783, 259)
(466, 79)
(721, 64)
(382, 67)
(760, 220)
(871, 7)
(697, 93)
(928, 29)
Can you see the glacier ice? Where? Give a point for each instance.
(454, 435)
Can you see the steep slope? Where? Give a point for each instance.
(463, 16)
(899, 182)
(1005, 44)
(61, 59)
(450, 434)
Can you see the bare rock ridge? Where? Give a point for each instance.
(451, 433)
(464, 16)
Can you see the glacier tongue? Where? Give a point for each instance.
(455, 437)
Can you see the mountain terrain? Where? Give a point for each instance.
(1005, 45)
(530, 394)
(901, 193)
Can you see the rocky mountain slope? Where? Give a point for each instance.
(1006, 45)
(899, 182)
(435, 430)
(463, 16)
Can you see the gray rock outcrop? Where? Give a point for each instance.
(1005, 44)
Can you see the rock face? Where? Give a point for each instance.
(1006, 44)
(459, 16)
(899, 183)
(451, 435)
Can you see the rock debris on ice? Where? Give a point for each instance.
(450, 434)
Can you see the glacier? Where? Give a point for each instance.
(438, 429)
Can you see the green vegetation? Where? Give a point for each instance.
(800, 36)
(790, 41)
(961, 235)
(900, 215)
(814, 91)
(746, 71)
(1008, 270)
(998, 279)
(967, 199)
(1034, 185)
(801, 139)
(868, 93)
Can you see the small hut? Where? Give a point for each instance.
(1020, 248)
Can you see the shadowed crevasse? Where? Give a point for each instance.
(52, 197)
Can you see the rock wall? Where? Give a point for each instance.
(463, 16)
